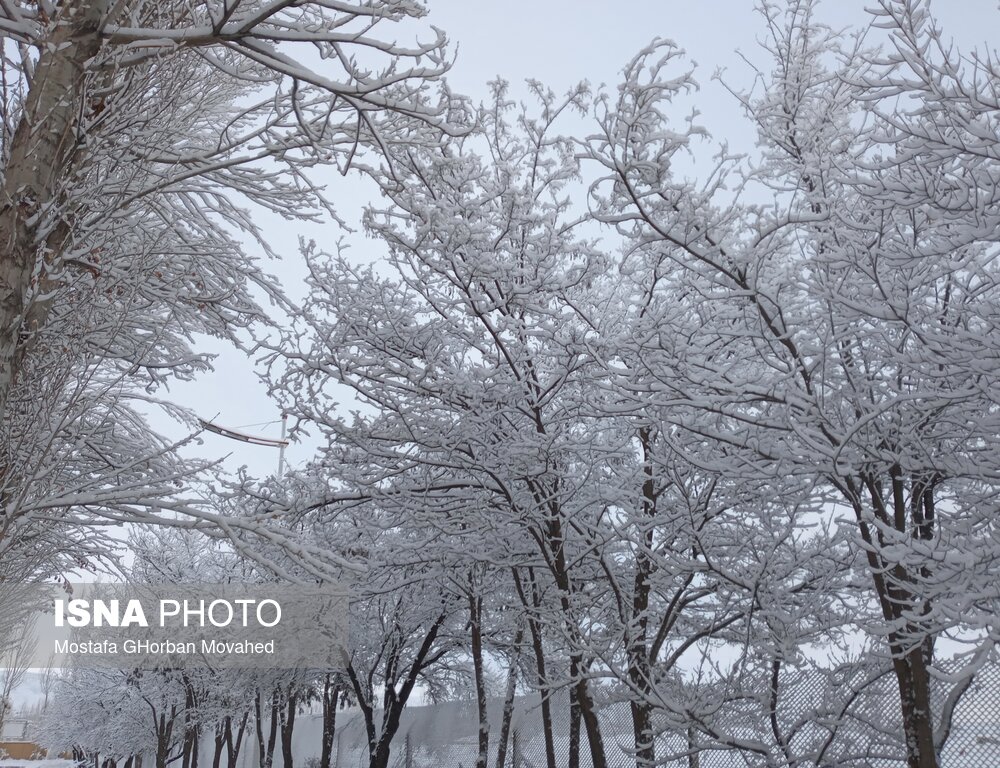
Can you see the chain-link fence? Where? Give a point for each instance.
(827, 719)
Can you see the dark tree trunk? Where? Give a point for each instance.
(195, 746)
(162, 751)
(581, 704)
(508, 701)
(642, 733)
(538, 648)
(223, 730)
(895, 589)
(379, 746)
(918, 724)
(266, 748)
(573, 757)
(475, 622)
(164, 731)
(331, 699)
(233, 744)
(287, 727)
(189, 757)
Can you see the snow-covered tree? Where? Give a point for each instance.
(500, 406)
(137, 140)
(468, 356)
(844, 329)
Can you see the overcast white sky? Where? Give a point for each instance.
(558, 42)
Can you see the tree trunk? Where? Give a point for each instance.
(381, 757)
(189, 758)
(41, 157)
(538, 649)
(393, 703)
(233, 745)
(573, 757)
(894, 588)
(508, 701)
(642, 733)
(287, 728)
(164, 731)
(222, 730)
(390, 726)
(918, 720)
(331, 698)
(162, 751)
(581, 705)
(265, 753)
(636, 628)
(195, 745)
(475, 619)
(585, 710)
(694, 760)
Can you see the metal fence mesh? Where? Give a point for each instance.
(819, 714)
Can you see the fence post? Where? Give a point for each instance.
(407, 752)
(516, 747)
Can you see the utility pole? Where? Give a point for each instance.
(284, 443)
(243, 437)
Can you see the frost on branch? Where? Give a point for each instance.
(138, 141)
